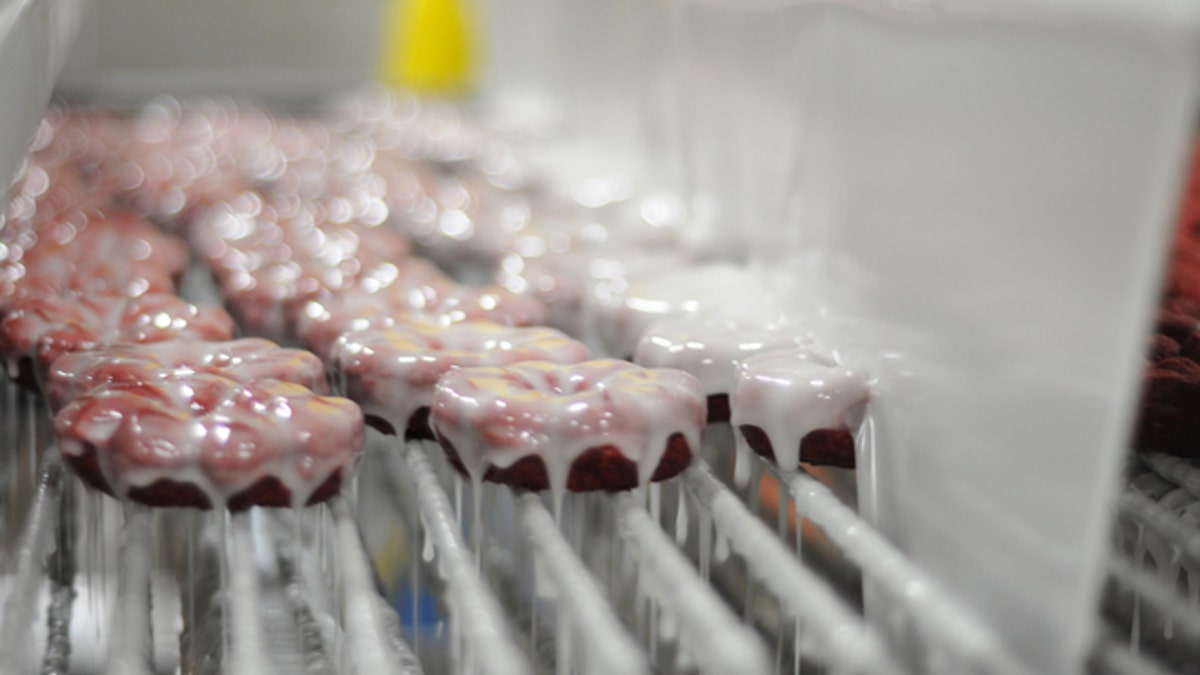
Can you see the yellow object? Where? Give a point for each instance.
(429, 46)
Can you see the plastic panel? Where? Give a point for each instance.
(976, 213)
(35, 37)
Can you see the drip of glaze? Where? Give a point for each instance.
(1169, 577)
(655, 494)
(743, 458)
(427, 551)
(458, 502)
(656, 612)
(543, 585)
(93, 557)
(705, 543)
(476, 520)
(668, 625)
(222, 518)
(576, 408)
(681, 520)
(1139, 560)
(796, 642)
(562, 644)
(784, 510)
(721, 549)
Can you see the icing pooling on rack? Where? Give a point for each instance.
(391, 372)
(712, 347)
(790, 393)
(215, 433)
(494, 417)
(246, 360)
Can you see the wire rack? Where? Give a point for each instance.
(412, 571)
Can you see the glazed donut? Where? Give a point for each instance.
(92, 251)
(271, 257)
(435, 298)
(391, 372)
(622, 318)
(712, 348)
(597, 425)
(568, 283)
(205, 441)
(247, 360)
(36, 330)
(1167, 419)
(797, 405)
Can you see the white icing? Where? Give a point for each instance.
(790, 393)
(712, 347)
(246, 360)
(497, 416)
(621, 318)
(392, 371)
(434, 298)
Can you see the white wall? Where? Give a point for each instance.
(279, 49)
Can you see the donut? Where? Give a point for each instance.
(391, 372)
(712, 348)
(1167, 419)
(459, 220)
(569, 282)
(798, 405)
(93, 250)
(596, 425)
(36, 330)
(434, 297)
(271, 257)
(621, 319)
(201, 440)
(246, 360)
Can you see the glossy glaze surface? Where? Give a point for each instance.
(495, 417)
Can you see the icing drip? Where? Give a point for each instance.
(495, 417)
(392, 371)
(788, 394)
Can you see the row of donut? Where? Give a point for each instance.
(1170, 398)
(184, 424)
(312, 251)
(152, 399)
(397, 333)
(394, 334)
